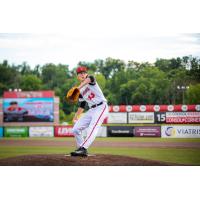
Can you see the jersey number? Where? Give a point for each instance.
(91, 96)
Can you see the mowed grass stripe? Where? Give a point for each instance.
(6, 152)
(112, 139)
(179, 156)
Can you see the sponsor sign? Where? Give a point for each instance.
(29, 94)
(180, 131)
(63, 131)
(182, 117)
(153, 108)
(141, 117)
(147, 131)
(117, 118)
(16, 131)
(102, 132)
(41, 131)
(1, 132)
(120, 131)
(28, 110)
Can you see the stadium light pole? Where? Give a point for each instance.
(183, 88)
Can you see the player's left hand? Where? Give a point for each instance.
(73, 95)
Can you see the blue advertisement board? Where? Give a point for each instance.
(1, 132)
(28, 109)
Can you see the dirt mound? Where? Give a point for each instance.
(93, 160)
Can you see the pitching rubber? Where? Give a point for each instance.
(89, 155)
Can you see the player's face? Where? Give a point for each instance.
(14, 106)
(82, 76)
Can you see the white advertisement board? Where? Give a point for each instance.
(182, 117)
(140, 117)
(41, 131)
(102, 132)
(117, 118)
(180, 131)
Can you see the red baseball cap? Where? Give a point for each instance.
(81, 69)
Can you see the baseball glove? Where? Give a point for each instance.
(73, 95)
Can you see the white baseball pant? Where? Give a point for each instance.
(91, 120)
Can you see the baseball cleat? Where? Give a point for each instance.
(80, 152)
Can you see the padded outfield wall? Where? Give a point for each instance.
(182, 121)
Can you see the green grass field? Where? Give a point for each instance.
(188, 156)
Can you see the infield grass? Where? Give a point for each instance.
(188, 156)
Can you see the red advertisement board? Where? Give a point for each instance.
(153, 108)
(147, 131)
(63, 131)
(29, 94)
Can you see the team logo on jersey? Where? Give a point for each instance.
(85, 91)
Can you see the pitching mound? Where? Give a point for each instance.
(93, 160)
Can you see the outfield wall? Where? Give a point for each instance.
(164, 131)
(167, 121)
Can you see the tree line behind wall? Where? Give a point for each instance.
(167, 81)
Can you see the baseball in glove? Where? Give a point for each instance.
(73, 95)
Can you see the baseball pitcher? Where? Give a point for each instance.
(88, 92)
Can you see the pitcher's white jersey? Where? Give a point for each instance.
(93, 118)
(91, 93)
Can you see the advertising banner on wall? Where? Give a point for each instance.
(102, 132)
(66, 131)
(28, 110)
(16, 131)
(120, 131)
(63, 131)
(1, 132)
(141, 117)
(29, 94)
(117, 118)
(147, 131)
(153, 108)
(41, 131)
(182, 117)
(180, 131)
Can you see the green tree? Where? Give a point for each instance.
(9, 77)
(111, 66)
(30, 82)
(193, 94)
(54, 75)
(101, 80)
